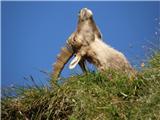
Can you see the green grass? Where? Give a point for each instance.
(112, 95)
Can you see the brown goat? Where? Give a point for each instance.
(87, 45)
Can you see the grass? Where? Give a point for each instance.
(112, 95)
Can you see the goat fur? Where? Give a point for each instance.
(89, 46)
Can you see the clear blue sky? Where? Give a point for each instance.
(34, 32)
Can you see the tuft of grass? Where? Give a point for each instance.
(155, 61)
(95, 96)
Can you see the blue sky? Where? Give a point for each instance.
(34, 32)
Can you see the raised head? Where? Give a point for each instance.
(85, 14)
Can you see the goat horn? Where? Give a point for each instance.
(62, 59)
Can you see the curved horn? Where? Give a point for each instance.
(64, 56)
(62, 59)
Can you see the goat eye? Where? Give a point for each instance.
(79, 12)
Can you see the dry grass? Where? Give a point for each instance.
(95, 96)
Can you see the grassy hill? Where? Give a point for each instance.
(112, 95)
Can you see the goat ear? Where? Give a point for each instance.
(74, 62)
